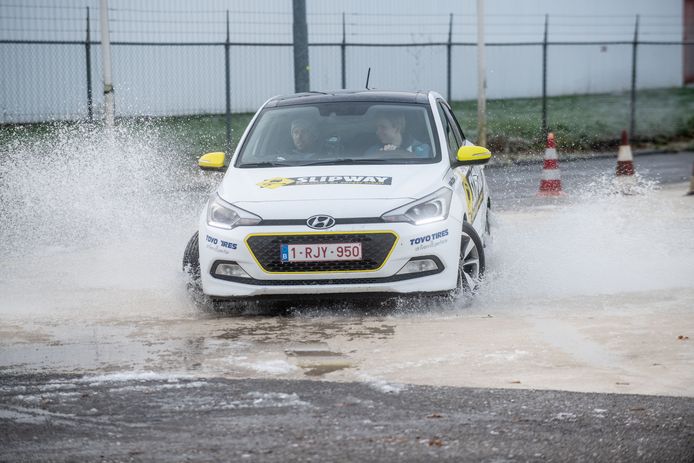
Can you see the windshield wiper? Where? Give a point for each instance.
(266, 164)
(330, 162)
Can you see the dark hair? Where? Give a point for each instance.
(304, 123)
(396, 118)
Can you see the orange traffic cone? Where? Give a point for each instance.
(625, 161)
(550, 184)
(625, 167)
(691, 183)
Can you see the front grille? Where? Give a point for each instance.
(375, 249)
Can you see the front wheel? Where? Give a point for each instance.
(471, 262)
(191, 260)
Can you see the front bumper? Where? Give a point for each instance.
(439, 242)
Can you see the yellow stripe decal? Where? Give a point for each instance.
(472, 208)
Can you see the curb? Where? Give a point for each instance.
(572, 158)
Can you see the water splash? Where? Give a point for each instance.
(600, 242)
(81, 184)
(96, 221)
(86, 209)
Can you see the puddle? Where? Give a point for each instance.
(325, 368)
(317, 359)
(312, 353)
(568, 339)
(306, 331)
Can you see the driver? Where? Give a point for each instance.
(390, 129)
(305, 136)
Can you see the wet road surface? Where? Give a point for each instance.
(104, 355)
(110, 418)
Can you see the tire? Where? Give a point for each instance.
(191, 260)
(487, 219)
(191, 266)
(224, 307)
(471, 261)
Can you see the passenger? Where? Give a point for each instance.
(390, 129)
(305, 136)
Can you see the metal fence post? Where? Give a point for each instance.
(449, 46)
(632, 113)
(343, 49)
(109, 99)
(227, 83)
(481, 78)
(545, 129)
(88, 54)
(301, 70)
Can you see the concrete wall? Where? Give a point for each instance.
(39, 82)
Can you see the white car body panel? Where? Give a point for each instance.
(406, 182)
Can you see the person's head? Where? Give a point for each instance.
(390, 127)
(304, 134)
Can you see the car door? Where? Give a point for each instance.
(471, 177)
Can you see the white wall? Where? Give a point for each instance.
(42, 81)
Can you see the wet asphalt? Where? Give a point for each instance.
(46, 417)
(515, 186)
(60, 419)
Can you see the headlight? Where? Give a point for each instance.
(221, 214)
(431, 208)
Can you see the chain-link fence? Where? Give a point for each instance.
(48, 78)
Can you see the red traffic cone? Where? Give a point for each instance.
(550, 184)
(625, 166)
(625, 160)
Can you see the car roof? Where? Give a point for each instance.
(381, 96)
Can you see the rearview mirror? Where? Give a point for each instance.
(212, 161)
(468, 155)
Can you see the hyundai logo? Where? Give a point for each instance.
(320, 222)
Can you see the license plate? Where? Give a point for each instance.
(320, 252)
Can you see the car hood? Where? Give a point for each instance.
(341, 191)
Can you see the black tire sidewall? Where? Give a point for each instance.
(472, 233)
(191, 257)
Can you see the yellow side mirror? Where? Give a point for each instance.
(473, 155)
(212, 161)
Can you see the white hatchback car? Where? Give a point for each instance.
(345, 194)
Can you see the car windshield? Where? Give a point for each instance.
(341, 133)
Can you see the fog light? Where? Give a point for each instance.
(229, 269)
(418, 266)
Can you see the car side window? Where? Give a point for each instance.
(454, 123)
(452, 140)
